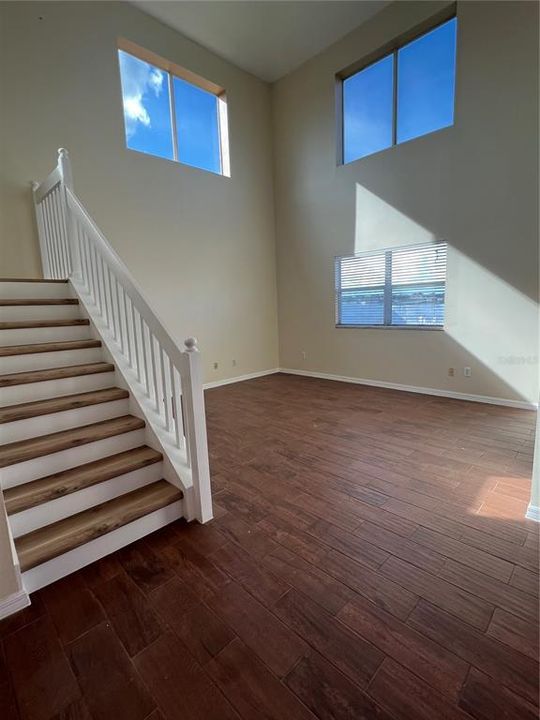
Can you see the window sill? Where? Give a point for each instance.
(436, 328)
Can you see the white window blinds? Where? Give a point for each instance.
(403, 287)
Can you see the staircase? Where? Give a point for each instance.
(77, 473)
(102, 423)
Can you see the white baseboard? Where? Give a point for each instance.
(240, 378)
(520, 404)
(533, 513)
(13, 603)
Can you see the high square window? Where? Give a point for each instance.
(403, 95)
(172, 113)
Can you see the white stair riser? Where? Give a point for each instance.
(74, 560)
(37, 290)
(16, 394)
(50, 512)
(27, 336)
(54, 422)
(13, 313)
(46, 360)
(28, 470)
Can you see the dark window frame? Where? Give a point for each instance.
(389, 49)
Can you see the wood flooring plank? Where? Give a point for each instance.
(111, 687)
(29, 349)
(11, 453)
(328, 592)
(485, 701)
(504, 665)
(349, 652)
(256, 578)
(404, 548)
(329, 694)
(179, 684)
(202, 576)
(525, 580)
(465, 554)
(69, 371)
(373, 585)
(471, 608)
(249, 537)
(493, 591)
(72, 607)
(251, 688)
(199, 628)
(439, 668)
(146, 568)
(272, 641)
(348, 543)
(43, 682)
(130, 613)
(407, 696)
(515, 632)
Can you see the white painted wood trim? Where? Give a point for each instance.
(13, 603)
(520, 404)
(75, 559)
(241, 378)
(533, 513)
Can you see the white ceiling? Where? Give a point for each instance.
(266, 38)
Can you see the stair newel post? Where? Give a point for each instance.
(195, 428)
(64, 165)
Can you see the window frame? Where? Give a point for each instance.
(386, 288)
(173, 70)
(391, 48)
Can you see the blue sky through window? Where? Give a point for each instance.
(197, 126)
(367, 110)
(426, 71)
(147, 117)
(426, 82)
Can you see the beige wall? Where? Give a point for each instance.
(474, 184)
(201, 246)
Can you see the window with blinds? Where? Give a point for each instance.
(403, 287)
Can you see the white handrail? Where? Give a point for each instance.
(72, 246)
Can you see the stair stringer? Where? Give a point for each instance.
(176, 469)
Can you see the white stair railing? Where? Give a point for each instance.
(170, 379)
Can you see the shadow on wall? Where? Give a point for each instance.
(491, 316)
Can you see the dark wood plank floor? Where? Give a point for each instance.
(369, 559)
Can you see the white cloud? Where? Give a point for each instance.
(138, 80)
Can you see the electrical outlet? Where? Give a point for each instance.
(216, 366)
(451, 372)
(304, 355)
(467, 371)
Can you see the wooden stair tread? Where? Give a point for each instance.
(8, 302)
(34, 280)
(22, 450)
(32, 376)
(25, 324)
(8, 350)
(60, 404)
(62, 483)
(48, 542)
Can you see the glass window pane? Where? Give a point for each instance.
(426, 82)
(197, 126)
(421, 305)
(367, 110)
(362, 307)
(147, 115)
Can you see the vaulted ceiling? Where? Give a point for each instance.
(268, 39)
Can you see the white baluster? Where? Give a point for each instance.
(144, 355)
